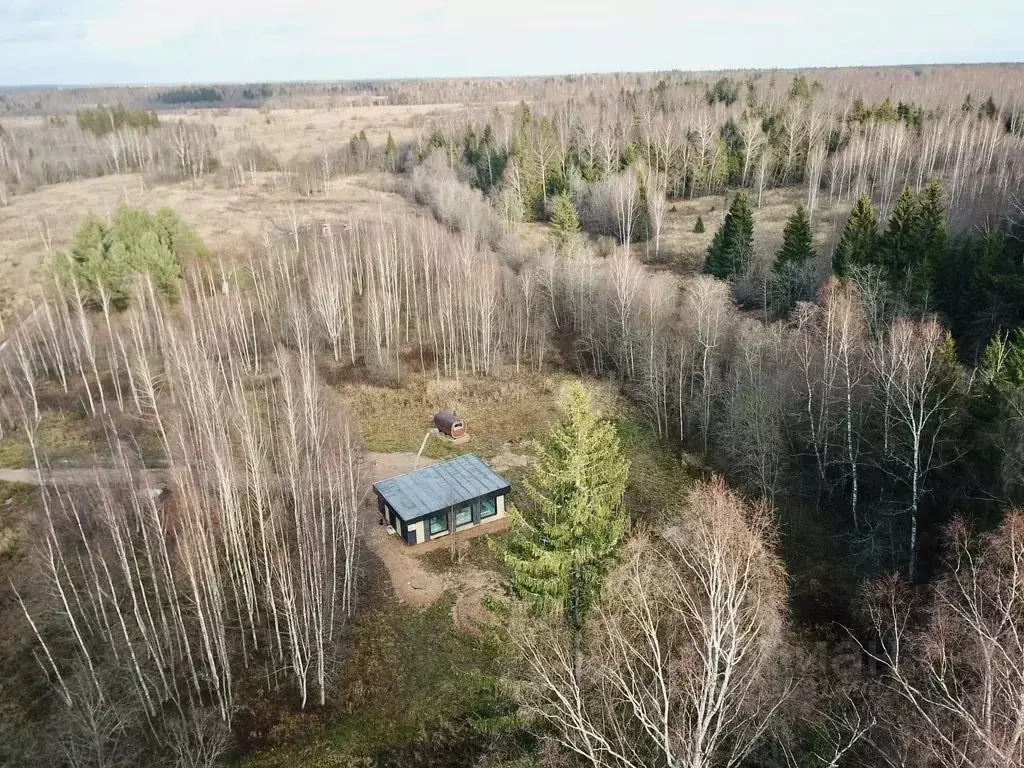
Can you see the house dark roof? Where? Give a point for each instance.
(425, 491)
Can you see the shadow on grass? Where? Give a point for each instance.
(415, 689)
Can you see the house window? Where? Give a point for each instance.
(488, 508)
(464, 516)
(439, 523)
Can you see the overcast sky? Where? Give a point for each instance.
(173, 41)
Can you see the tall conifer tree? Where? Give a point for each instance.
(562, 545)
(899, 245)
(731, 248)
(858, 244)
(796, 241)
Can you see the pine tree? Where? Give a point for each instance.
(698, 228)
(564, 220)
(563, 544)
(796, 241)
(111, 254)
(858, 245)
(730, 250)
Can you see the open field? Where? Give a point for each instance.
(233, 222)
(287, 132)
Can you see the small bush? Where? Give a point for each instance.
(699, 226)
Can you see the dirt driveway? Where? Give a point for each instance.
(414, 584)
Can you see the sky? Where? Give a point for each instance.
(77, 42)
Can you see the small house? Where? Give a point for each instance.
(443, 498)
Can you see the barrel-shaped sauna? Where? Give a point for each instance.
(448, 423)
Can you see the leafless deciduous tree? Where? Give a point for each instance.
(917, 384)
(958, 679)
(684, 664)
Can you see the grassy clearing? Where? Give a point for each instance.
(63, 437)
(498, 412)
(417, 691)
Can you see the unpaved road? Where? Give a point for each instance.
(412, 582)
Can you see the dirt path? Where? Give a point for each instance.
(77, 476)
(413, 583)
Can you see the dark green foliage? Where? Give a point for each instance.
(859, 112)
(915, 243)
(796, 241)
(190, 96)
(910, 114)
(858, 244)
(885, 112)
(988, 109)
(899, 243)
(698, 228)
(725, 90)
(800, 89)
(561, 547)
(101, 120)
(564, 220)
(254, 93)
(932, 240)
(979, 285)
(730, 250)
(391, 153)
(106, 256)
(734, 149)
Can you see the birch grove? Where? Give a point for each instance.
(245, 554)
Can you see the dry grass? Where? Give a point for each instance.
(500, 413)
(290, 132)
(62, 438)
(232, 221)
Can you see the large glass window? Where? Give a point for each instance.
(439, 523)
(464, 516)
(488, 508)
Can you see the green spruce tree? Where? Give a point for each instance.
(731, 248)
(565, 222)
(796, 248)
(899, 244)
(932, 243)
(563, 543)
(859, 242)
(698, 228)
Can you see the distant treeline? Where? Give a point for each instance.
(190, 96)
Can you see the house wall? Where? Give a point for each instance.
(421, 533)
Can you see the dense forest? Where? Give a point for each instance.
(838, 585)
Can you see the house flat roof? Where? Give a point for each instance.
(424, 491)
